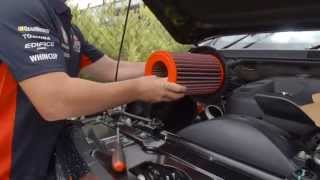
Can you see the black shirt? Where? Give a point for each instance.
(36, 37)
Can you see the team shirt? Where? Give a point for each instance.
(36, 37)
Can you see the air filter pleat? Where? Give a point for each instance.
(200, 73)
(200, 63)
(196, 82)
(189, 69)
(196, 66)
(203, 85)
(185, 73)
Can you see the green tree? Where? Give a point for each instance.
(102, 26)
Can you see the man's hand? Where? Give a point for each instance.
(155, 89)
(57, 96)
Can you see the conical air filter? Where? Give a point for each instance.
(200, 73)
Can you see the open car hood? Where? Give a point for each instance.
(190, 21)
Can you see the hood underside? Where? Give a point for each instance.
(190, 21)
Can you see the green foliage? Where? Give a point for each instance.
(102, 26)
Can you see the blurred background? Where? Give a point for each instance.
(101, 22)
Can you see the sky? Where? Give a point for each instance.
(85, 3)
(82, 4)
(285, 37)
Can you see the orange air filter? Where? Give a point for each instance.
(200, 73)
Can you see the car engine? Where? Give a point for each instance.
(238, 121)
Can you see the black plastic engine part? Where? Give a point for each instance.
(175, 115)
(248, 140)
(282, 107)
(299, 90)
(154, 171)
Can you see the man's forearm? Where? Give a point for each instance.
(104, 70)
(129, 70)
(90, 97)
(58, 96)
(78, 97)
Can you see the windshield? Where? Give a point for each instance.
(294, 40)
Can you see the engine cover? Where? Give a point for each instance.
(247, 140)
(299, 90)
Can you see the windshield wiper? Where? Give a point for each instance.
(258, 40)
(315, 47)
(236, 41)
(207, 40)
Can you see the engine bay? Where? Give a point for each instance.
(254, 127)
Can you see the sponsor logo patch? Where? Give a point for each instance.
(33, 29)
(43, 57)
(39, 45)
(31, 36)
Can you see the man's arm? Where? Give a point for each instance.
(104, 70)
(57, 96)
